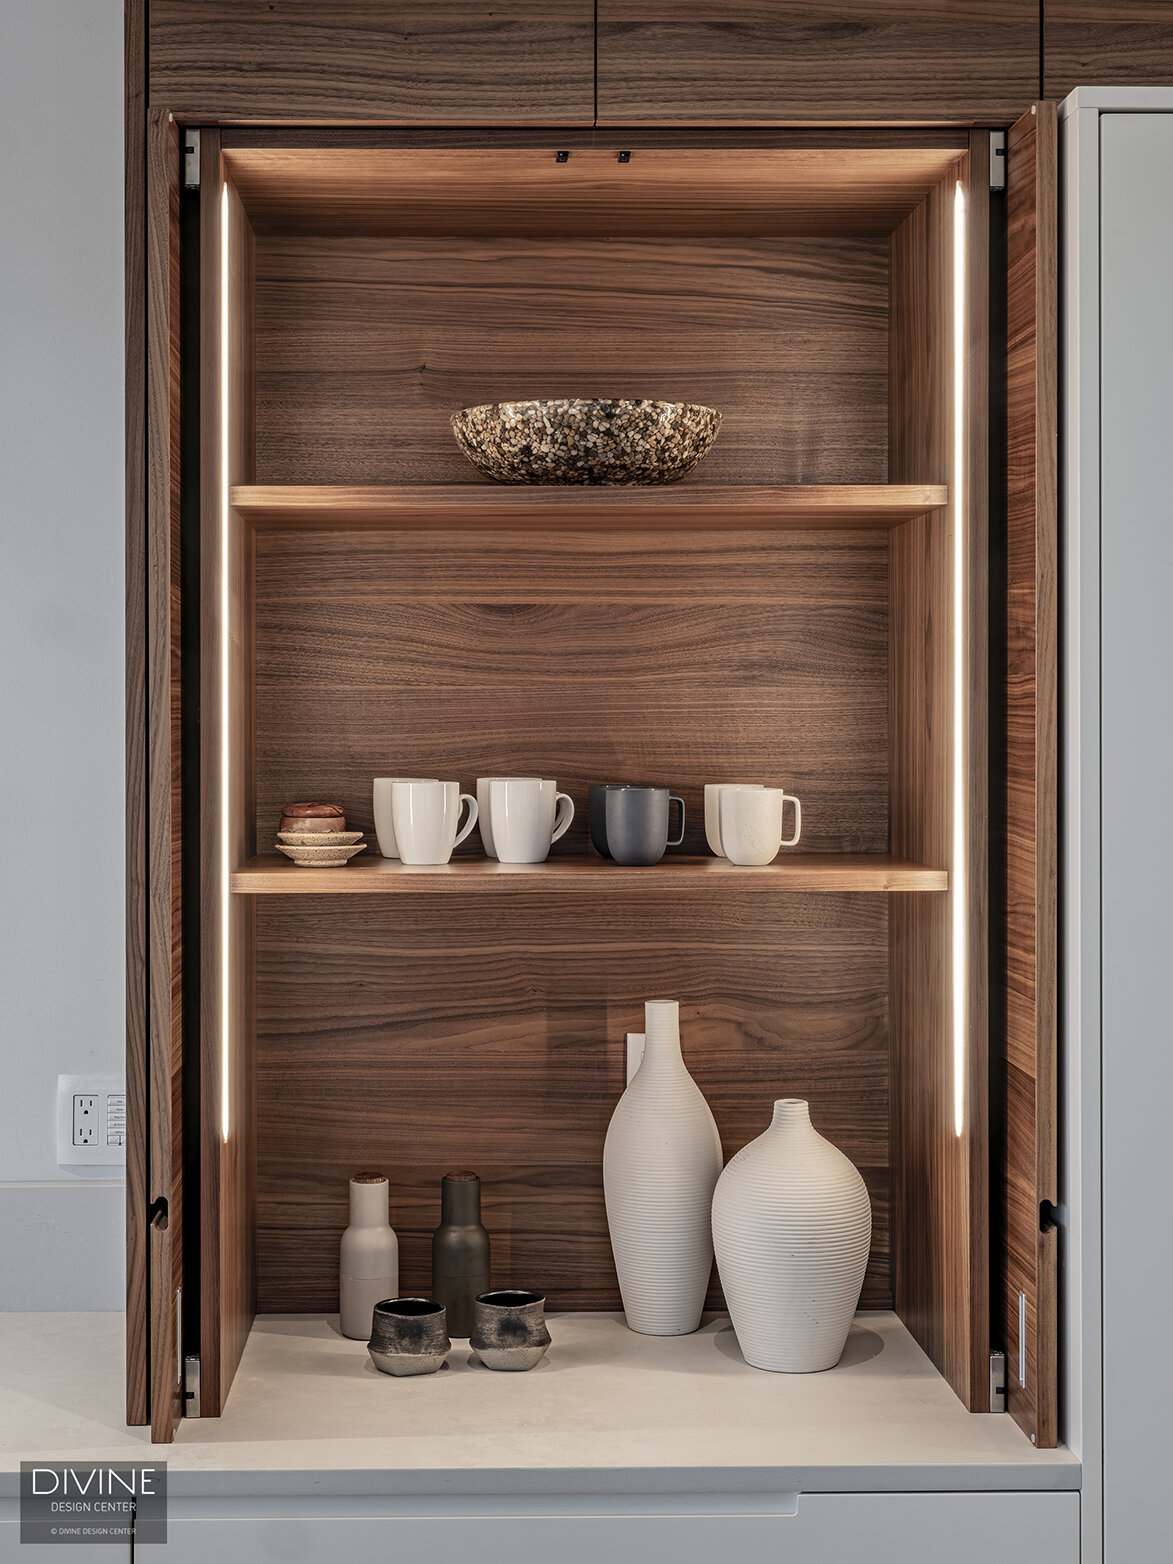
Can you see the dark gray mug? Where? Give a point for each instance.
(637, 823)
(597, 807)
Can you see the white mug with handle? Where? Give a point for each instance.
(527, 815)
(425, 816)
(712, 833)
(749, 821)
(384, 828)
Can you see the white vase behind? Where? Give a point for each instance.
(661, 1161)
(792, 1229)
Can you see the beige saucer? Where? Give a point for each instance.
(320, 857)
(319, 838)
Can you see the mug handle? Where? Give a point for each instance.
(675, 841)
(790, 798)
(563, 817)
(473, 812)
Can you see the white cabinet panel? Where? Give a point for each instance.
(1136, 639)
(1014, 1528)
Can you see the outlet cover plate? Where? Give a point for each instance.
(107, 1093)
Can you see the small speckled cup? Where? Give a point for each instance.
(409, 1336)
(509, 1329)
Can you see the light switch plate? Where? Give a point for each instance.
(91, 1120)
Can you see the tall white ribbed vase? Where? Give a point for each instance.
(661, 1161)
(792, 1228)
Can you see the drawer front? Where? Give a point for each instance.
(1014, 1528)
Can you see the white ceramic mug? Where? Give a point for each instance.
(483, 819)
(425, 816)
(384, 825)
(749, 820)
(527, 815)
(712, 834)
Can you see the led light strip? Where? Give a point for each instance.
(225, 644)
(958, 872)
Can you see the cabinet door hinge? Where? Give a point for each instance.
(191, 1385)
(191, 160)
(997, 1381)
(997, 160)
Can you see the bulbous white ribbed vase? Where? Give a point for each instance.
(792, 1228)
(661, 1161)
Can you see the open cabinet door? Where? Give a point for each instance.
(938, 722)
(1025, 1168)
(227, 1139)
(154, 1158)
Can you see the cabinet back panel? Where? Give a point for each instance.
(673, 657)
(419, 1038)
(497, 1042)
(365, 347)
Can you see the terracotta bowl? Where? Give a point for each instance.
(579, 442)
(312, 817)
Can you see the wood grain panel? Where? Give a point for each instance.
(138, 1346)
(365, 348)
(165, 899)
(1094, 43)
(939, 1087)
(499, 1046)
(227, 801)
(1028, 1164)
(759, 62)
(271, 875)
(404, 61)
(676, 506)
(655, 657)
(518, 192)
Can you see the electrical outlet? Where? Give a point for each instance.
(91, 1120)
(85, 1120)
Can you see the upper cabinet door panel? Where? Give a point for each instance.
(771, 62)
(402, 62)
(1095, 43)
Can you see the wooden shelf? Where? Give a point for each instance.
(678, 506)
(365, 875)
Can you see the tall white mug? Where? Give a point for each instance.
(425, 816)
(527, 815)
(384, 826)
(749, 820)
(712, 834)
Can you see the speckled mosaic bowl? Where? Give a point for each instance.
(319, 857)
(612, 442)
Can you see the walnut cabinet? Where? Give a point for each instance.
(855, 592)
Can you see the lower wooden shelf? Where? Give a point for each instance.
(373, 875)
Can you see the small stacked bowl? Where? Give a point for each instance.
(315, 836)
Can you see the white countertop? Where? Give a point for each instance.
(608, 1411)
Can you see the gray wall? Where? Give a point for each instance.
(61, 634)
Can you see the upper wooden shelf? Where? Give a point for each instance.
(678, 506)
(276, 876)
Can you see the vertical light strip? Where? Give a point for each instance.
(958, 874)
(225, 643)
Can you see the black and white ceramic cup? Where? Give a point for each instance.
(509, 1329)
(637, 823)
(409, 1336)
